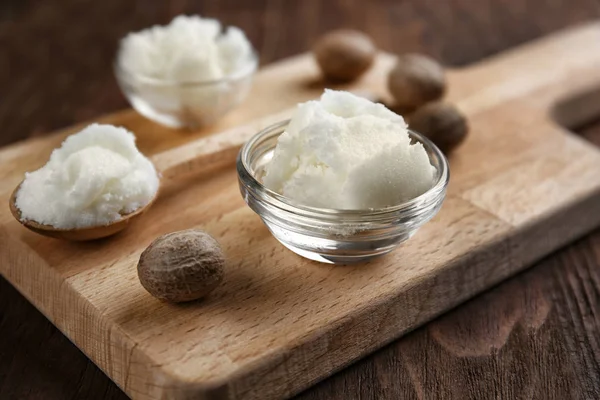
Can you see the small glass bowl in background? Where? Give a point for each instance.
(329, 235)
(186, 104)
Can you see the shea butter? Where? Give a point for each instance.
(188, 73)
(346, 152)
(189, 49)
(95, 177)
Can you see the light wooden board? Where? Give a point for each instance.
(521, 187)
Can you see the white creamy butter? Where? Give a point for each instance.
(96, 176)
(346, 152)
(189, 49)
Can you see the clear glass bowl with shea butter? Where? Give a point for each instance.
(188, 73)
(334, 235)
(189, 104)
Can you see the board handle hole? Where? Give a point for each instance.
(580, 113)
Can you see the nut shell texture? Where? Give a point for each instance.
(442, 123)
(182, 266)
(344, 55)
(415, 80)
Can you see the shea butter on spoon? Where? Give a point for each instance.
(94, 178)
(346, 152)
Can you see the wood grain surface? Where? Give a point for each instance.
(491, 342)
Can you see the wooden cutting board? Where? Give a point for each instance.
(521, 187)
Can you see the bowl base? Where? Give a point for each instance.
(332, 258)
(165, 119)
(336, 249)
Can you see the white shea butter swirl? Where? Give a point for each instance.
(346, 152)
(95, 177)
(189, 49)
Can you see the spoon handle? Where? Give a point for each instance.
(216, 150)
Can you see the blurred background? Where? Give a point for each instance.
(56, 56)
(56, 70)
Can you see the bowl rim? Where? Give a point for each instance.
(249, 69)
(283, 202)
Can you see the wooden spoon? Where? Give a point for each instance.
(210, 152)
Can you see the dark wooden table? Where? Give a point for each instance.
(536, 336)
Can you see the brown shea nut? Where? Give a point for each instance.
(181, 266)
(415, 80)
(344, 55)
(442, 123)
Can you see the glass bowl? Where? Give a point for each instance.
(186, 104)
(330, 235)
